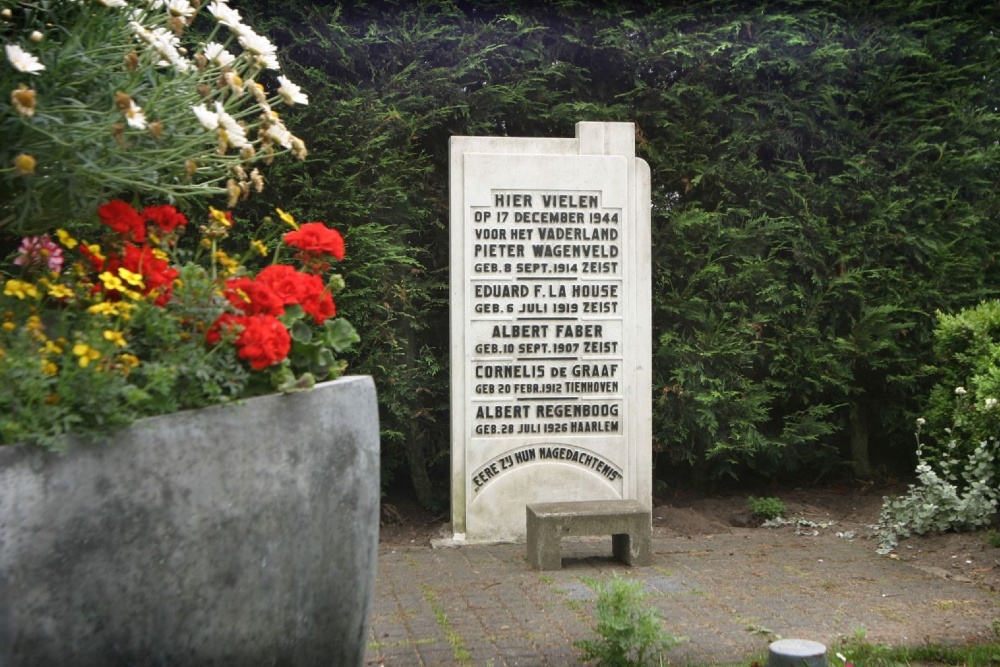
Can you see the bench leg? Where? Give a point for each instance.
(635, 548)
(543, 546)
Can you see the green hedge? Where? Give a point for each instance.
(824, 179)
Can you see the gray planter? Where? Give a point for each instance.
(235, 535)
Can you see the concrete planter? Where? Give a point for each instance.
(235, 535)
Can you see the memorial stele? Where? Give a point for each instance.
(550, 326)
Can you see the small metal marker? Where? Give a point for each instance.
(796, 653)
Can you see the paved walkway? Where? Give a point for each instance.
(729, 594)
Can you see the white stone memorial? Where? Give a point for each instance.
(550, 326)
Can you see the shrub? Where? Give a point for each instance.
(964, 405)
(958, 495)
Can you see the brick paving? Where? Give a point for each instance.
(729, 594)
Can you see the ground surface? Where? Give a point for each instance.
(837, 513)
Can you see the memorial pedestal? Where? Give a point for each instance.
(551, 325)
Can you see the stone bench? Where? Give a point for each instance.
(627, 521)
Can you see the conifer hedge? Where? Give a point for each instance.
(824, 180)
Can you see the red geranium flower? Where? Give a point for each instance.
(254, 297)
(316, 241)
(124, 219)
(305, 289)
(315, 298)
(164, 216)
(263, 342)
(283, 280)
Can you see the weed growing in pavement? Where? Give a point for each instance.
(631, 634)
(460, 653)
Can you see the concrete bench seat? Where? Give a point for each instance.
(627, 521)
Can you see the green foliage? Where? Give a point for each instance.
(631, 634)
(823, 179)
(766, 508)
(814, 207)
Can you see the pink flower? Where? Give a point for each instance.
(39, 250)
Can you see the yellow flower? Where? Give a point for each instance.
(34, 324)
(228, 264)
(159, 254)
(133, 279)
(95, 250)
(60, 291)
(68, 241)
(49, 368)
(112, 309)
(20, 289)
(259, 247)
(86, 354)
(115, 337)
(129, 360)
(111, 281)
(126, 363)
(9, 326)
(219, 216)
(50, 348)
(287, 218)
(25, 164)
(103, 308)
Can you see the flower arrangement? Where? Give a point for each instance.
(106, 103)
(94, 335)
(155, 98)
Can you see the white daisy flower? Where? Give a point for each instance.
(181, 8)
(263, 51)
(291, 93)
(208, 119)
(218, 55)
(236, 136)
(135, 116)
(227, 16)
(165, 43)
(22, 60)
(113, 3)
(279, 134)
